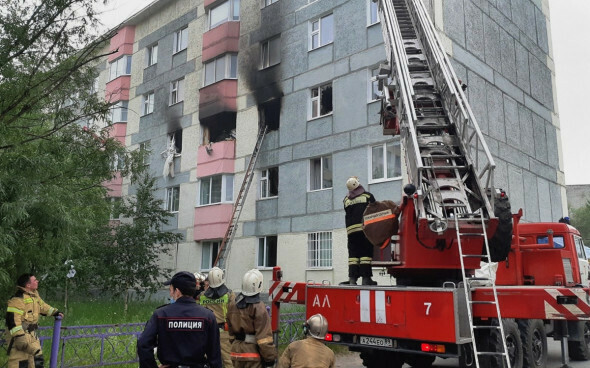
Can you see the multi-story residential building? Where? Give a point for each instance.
(196, 78)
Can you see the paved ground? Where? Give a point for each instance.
(352, 360)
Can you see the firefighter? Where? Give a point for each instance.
(309, 352)
(249, 326)
(360, 249)
(216, 298)
(185, 333)
(22, 316)
(200, 282)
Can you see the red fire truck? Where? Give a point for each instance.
(453, 221)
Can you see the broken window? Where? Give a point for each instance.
(177, 137)
(220, 127)
(270, 114)
(269, 182)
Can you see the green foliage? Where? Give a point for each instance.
(580, 219)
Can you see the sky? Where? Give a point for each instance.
(570, 25)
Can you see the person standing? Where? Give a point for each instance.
(249, 326)
(309, 352)
(217, 298)
(185, 333)
(360, 249)
(22, 317)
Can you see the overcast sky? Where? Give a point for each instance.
(570, 26)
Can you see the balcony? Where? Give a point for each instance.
(217, 98)
(211, 221)
(216, 158)
(220, 40)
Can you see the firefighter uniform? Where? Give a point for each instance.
(360, 249)
(217, 300)
(185, 334)
(22, 317)
(307, 353)
(250, 332)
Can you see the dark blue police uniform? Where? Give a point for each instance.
(185, 333)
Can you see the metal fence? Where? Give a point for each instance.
(104, 345)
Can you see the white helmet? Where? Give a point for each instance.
(215, 277)
(200, 277)
(352, 183)
(317, 326)
(252, 282)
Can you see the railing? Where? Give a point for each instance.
(106, 345)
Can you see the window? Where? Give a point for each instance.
(268, 2)
(372, 13)
(320, 173)
(216, 189)
(115, 208)
(94, 88)
(147, 103)
(145, 150)
(270, 52)
(269, 182)
(224, 12)
(177, 137)
(558, 241)
(224, 67)
(267, 252)
(321, 32)
(121, 66)
(209, 254)
(119, 112)
(117, 162)
(176, 91)
(180, 39)
(321, 101)
(319, 250)
(172, 199)
(374, 93)
(580, 247)
(152, 55)
(386, 161)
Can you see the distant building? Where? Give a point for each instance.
(577, 195)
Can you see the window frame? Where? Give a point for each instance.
(172, 199)
(147, 103)
(151, 55)
(265, 245)
(266, 53)
(146, 147)
(265, 3)
(318, 98)
(370, 21)
(322, 163)
(314, 263)
(180, 40)
(230, 13)
(120, 109)
(212, 244)
(126, 67)
(227, 183)
(373, 85)
(176, 94)
(318, 32)
(384, 162)
(265, 183)
(229, 57)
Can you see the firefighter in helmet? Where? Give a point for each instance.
(360, 249)
(216, 298)
(22, 317)
(249, 326)
(200, 282)
(309, 352)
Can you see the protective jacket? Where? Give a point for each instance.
(217, 300)
(360, 249)
(250, 332)
(22, 317)
(307, 353)
(184, 333)
(354, 208)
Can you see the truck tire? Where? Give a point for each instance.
(493, 342)
(420, 360)
(466, 358)
(534, 343)
(376, 359)
(580, 350)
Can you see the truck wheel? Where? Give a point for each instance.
(493, 342)
(580, 350)
(534, 342)
(466, 358)
(376, 359)
(419, 360)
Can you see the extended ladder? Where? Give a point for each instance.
(469, 284)
(225, 245)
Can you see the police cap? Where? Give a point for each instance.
(182, 279)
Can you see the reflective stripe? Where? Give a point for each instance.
(51, 310)
(354, 228)
(28, 300)
(245, 355)
(366, 260)
(265, 340)
(15, 310)
(353, 261)
(378, 219)
(16, 329)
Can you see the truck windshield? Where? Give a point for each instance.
(557, 241)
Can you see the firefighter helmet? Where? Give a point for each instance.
(252, 282)
(216, 277)
(200, 277)
(316, 326)
(352, 183)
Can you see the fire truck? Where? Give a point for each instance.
(452, 221)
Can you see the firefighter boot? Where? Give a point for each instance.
(39, 361)
(369, 281)
(352, 280)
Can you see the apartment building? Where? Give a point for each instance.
(195, 79)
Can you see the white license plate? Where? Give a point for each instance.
(376, 341)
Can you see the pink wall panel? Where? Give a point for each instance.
(118, 89)
(221, 39)
(221, 160)
(123, 41)
(218, 97)
(211, 221)
(114, 186)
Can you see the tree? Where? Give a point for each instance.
(581, 220)
(51, 169)
(129, 252)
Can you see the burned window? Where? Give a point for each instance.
(220, 127)
(270, 114)
(321, 101)
(176, 137)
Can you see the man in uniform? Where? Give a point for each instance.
(360, 249)
(22, 316)
(249, 326)
(216, 298)
(185, 333)
(309, 352)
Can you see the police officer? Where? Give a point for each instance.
(360, 249)
(22, 316)
(249, 326)
(309, 352)
(217, 298)
(185, 333)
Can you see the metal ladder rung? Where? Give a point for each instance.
(471, 234)
(486, 327)
(481, 302)
(490, 353)
(473, 255)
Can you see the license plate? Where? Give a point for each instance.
(376, 341)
